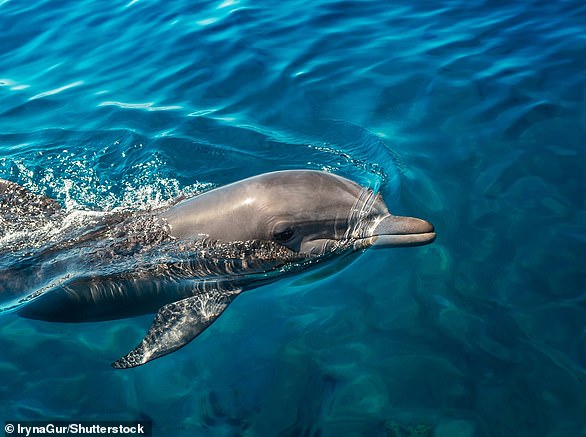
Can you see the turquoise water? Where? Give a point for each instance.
(469, 114)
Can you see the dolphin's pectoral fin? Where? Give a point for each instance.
(175, 325)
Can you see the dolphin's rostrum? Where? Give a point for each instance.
(210, 248)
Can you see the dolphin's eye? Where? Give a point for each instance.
(284, 235)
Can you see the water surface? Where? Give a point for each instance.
(469, 114)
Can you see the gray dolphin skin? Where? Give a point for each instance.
(210, 248)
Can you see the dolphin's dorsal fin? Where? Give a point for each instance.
(175, 325)
(18, 201)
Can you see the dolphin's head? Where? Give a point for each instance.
(307, 211)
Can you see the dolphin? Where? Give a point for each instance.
(206, 251)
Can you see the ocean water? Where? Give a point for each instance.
(471, 114)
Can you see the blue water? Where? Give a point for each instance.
(471, 114)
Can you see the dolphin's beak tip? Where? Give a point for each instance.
(430, 227)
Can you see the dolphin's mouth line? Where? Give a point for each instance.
(397, 231)
(423, 235)
(380, 234)
(402, 240)
(405, 234)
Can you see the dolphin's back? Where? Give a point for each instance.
(16, 201)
